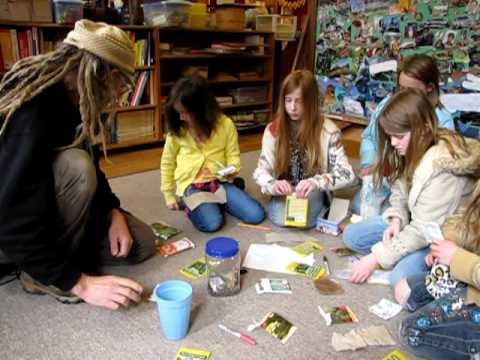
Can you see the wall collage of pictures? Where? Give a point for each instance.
(351, 36)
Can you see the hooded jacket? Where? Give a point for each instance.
(441, 184)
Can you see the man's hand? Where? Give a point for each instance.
(304, 188)
(363, 268)
(392, 229)
(282, 187)
(443, 250)
(111, 292)
(174, 206)
(119, 235)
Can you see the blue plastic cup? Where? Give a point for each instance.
(174, 303)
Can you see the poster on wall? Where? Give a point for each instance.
(355, 35)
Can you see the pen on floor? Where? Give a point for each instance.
(327, 265)
(245, 338)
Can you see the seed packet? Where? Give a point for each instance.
(343, 251)
(385, 309)
(307, 247)
(296, 211)
(313, 272)
(395, 355)
(176, 247)
(338, 315)
(278, 326)
(192, 354)
(196, 269)
(275, 286)
(163, 230)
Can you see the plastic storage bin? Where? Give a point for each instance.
(67, 11)
(223, 262)
(199, 18)
(284, 26)
(170, 13)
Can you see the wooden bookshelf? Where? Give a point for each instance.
(252, 53)
(166, 68)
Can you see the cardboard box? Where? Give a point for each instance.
(338, 212)
(16, 10)
(42, 11)
(26, 10)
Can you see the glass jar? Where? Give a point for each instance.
(223, 262)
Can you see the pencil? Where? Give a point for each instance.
(258, 227)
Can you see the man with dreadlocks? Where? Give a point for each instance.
(59, 219)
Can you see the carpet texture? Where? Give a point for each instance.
(37, 327)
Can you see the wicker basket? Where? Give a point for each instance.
(230, 17)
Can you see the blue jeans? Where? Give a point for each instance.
(438, 331)
(316, 205)
(361, 236)
(208, 217)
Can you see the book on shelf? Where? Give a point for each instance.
(129, 126)
(6, 45)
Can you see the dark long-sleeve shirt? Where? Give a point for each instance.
(29, 217)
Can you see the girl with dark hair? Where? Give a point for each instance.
(302, 152)
(430, 170)
(201, 142)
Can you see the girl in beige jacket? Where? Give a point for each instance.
(431, 174)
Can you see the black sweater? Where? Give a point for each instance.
(29, 215)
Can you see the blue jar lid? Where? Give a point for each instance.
(222, 247)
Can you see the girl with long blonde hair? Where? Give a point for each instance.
(302, 153)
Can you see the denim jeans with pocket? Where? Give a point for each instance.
(361, 236)
(441, 330)
(209, 217)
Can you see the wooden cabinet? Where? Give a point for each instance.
(238, 65)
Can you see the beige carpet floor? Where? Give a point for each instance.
(36, 327)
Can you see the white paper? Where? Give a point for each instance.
(385, 309)
(431, 230)
(390, 65)
(461, 102)
(338, 209)
(273, 258)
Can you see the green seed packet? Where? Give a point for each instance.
(195, 270)
(192, 354)
(278, 326)
(163, 230)
(307, 247)
(313, 272)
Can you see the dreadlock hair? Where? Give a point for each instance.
(31, 76)
(410, 110)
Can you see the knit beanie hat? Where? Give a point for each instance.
(105, 41)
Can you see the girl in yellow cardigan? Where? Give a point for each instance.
(449, 326)
(200, 156)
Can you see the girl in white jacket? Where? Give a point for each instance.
(302, 151)
(430, 170)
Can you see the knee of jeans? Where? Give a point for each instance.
(74, 171)
(213, 224)
(255, 215)
(350, 237)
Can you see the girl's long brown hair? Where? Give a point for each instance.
(310, 126)
(471, 218)
(423, 68)
(410, 110)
